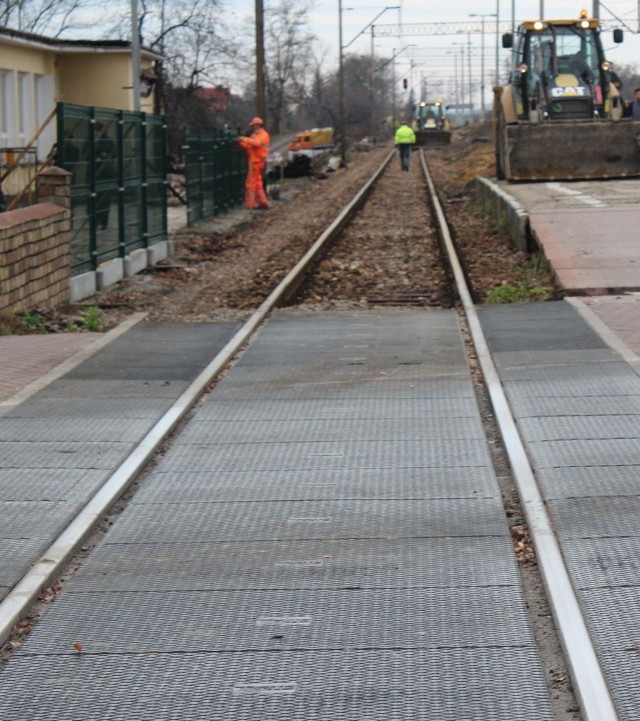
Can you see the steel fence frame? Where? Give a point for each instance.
(117, 160)
(215, 171)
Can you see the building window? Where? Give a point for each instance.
(6, 102)
(25, 107)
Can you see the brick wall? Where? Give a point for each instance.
(35, 248)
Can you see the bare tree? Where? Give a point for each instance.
(51, 17)
(289, 55)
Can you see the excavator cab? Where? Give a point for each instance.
(432, 126)
(560, 117)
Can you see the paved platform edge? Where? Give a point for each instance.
(610, 337)
(24, 393)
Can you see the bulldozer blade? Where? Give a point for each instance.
(433, 137)
(572, 150)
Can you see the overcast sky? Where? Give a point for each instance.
(436, 57)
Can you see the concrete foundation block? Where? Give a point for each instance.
(109, 273)
(159, 251)
(135, 262)
(83, 286)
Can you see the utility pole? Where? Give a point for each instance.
(343, 139)
(135, 55)
(261, 104)
(482, 69)
(497, 78)
(470, 76)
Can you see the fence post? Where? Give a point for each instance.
(185, 159)
(142, 134)
(93, 246)
(122, 239)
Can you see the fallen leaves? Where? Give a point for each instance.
(522, 545)
(50, 594)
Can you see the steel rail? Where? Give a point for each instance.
(590, 686)
(49, 566)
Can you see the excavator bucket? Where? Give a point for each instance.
(571, 150)
(433, 137)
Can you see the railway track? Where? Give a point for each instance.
(316, 277)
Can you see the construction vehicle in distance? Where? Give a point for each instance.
(431, 125)
(561, 118)
(311, 142)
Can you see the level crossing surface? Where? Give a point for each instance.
(59, 446)
(324, 538)
(577, 405)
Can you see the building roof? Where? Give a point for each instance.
(20, 37)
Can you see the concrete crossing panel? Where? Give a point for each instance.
(215, 621)
(440, 562)
(367, 483)
(297, 686)
(272, 521)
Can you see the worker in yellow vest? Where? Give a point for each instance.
(405, 139)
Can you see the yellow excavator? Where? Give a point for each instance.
(432, 126)
(561, 117)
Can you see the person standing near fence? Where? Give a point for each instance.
(256, 146)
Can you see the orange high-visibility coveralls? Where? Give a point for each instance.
(257, 149)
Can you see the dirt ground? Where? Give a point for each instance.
(223, 268)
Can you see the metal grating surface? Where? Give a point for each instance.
(593, 388)
(342, 388)
(608, 452)
(430, 359)
(326, 455)
(536, 327)
(595, 518)
(610, 563)
(579, 372)
(194, 523)
(179, 352)
(386, 563)
(585, 406)
(612, 618)
(591, 481)
(60, 454)
(510, 359)
(285, 620)
(422, 598)
(302, 430)
(338, 408)
(32, 520)
(190, 487)
(622, 671)
(613, 621)
(100, 389)
(52, 484)
(73, 429)
(367, 685)
(16, 556)
(57, 408)
(445, 379)
(579, 427)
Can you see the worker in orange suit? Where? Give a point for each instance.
(256, 146)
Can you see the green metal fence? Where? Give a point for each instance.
(215, 170)
(117, 160)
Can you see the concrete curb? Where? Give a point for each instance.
(505, 210)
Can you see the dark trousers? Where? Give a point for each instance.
(405, 155)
